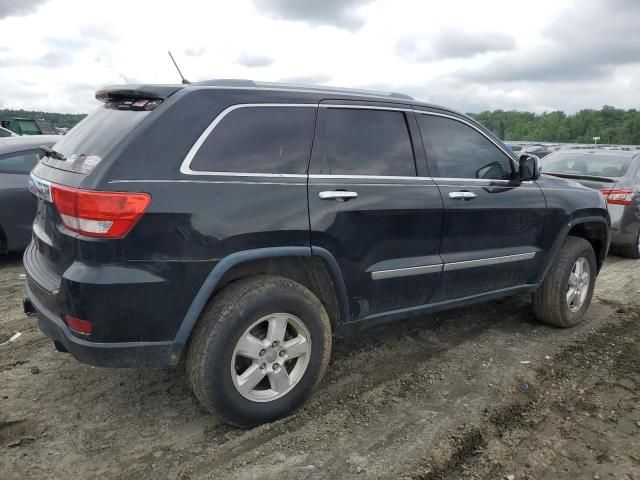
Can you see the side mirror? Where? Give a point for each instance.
(530, 167)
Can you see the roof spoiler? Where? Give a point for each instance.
(149, 92)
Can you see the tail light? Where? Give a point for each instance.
(618, 197)
(99, 214)
(78, 325)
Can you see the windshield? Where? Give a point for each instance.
(588, 164)
(93, 138)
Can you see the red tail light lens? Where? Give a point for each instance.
(619, 197)
(99, 214)
(77, 325)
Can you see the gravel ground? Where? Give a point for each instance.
(482, 392)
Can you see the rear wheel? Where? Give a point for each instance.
(565, 295)
(260, 348)
(631, 251)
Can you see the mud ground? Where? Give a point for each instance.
(483, 392)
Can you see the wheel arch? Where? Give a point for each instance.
(594, 229)
(274, 260)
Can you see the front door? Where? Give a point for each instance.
(369, 207)
(493, 222)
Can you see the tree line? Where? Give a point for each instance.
(612, 125)
(64, 120)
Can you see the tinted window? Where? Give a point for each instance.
(94, 137)
(19, 162)
(587, 164)
(365, 142)
(259, 140)
(456, 150)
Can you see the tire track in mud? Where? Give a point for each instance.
(409, 401)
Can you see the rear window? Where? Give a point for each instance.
(91, 140)
(593, 165)
(259, 140)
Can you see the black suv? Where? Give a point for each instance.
(240, 226)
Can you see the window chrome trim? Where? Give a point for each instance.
(367, 177)
(405, 272)
(185, 167)
(475, 127)
(485, 262)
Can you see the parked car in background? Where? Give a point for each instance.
(616, 173)
(241, 225)
(18, 155)
(28, 126)
(538, 150)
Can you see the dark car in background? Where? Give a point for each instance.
(616, 173)
(538, 150)
(18, 155)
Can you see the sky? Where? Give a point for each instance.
(541, 55)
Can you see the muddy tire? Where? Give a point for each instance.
(260, 348)
(630, 251)
(565, 294)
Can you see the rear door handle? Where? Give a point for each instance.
(339, 195)
(462, 195)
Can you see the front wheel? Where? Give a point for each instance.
(565, 294)
(260, 348)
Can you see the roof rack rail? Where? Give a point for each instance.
(229, 82)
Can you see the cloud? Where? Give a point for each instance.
(251, 60)
(452, 43)
(11, 8)
(317, 79)
(581, 44)
(194, 51)
(55, 59)
(336, 13)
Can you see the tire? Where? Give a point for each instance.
(630, 251)
(550, 302)
(215, 360)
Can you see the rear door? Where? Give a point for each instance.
(369, 206)
(493, 223)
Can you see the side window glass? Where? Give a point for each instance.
(364, 142)
(456, 150)
(21, 162)
(259, 140)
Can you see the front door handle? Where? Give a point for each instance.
(338, 195)
(462, 195)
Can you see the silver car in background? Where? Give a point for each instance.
(616, 173)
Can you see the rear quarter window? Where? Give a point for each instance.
(259, 140)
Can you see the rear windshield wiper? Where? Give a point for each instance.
(50, 152)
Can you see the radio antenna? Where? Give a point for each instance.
(184, 80)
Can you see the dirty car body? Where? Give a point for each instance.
(352, 197)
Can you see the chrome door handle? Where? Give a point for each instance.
(339, 195)
(462, 195)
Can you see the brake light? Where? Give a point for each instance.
(77, 325)
(618, 197)
(99, 214)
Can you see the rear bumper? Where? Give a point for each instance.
(123, 354)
